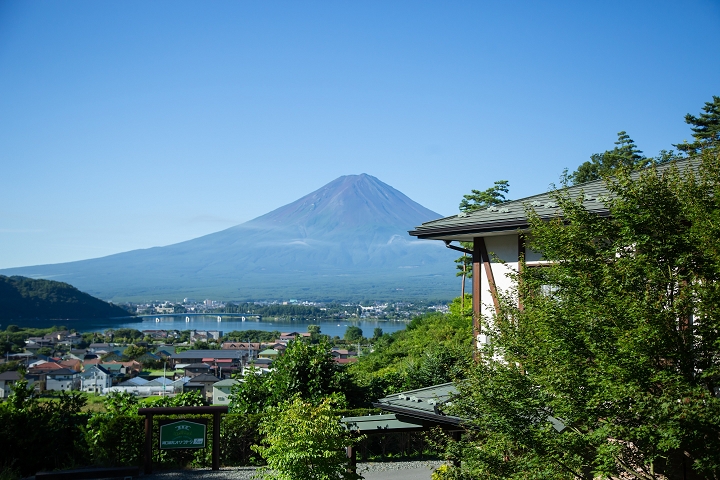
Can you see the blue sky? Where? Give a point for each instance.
(127, 125)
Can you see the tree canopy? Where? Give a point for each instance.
(617, 343)
(22, 297)
(705, 128)
(477, 200)
(624, 155)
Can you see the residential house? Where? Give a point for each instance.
(289, 336)
(72, 364)
(77, 354)
(95, 379)
(498, 236)
(7, 380)
(63, 379)
(221, 391)
(269, 353)
(44, 367)
(117, 370)
(195, 369)
(211, 357)
(206, 381)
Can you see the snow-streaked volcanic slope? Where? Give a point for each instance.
(346, 240)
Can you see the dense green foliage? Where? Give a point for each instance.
(304, 440)
(619, 337)
(477, 200)
(624, 155)
(472, 202)
(22, 297)
(252, 336)
(433, 349)
(38, 435)
(305, 370)
(705, 128)
(353, 333)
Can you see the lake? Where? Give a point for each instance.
(228, 323)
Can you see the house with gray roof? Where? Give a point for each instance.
(62, 379)
(498, 234)
(95, 379)
(222, 390)
(7, 380)
(211, 357)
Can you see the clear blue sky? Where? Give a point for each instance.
(133, 124)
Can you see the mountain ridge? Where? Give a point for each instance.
(354, 226)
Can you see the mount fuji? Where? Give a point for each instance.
(345, 241)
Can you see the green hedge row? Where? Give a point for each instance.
(44, 439)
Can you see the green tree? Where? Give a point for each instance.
(305, 370)
(705, 128)
(26, 422)
(303, 440)
(624, 155)
(477, 200)
(353, 333)
(133, 352)
(474, 201)
(47, 351)
(618, 337)
(377, 333)
(251, 394)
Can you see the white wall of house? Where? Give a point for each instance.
(62, 384)
(221, 395)
(504, 255)
(95, 381)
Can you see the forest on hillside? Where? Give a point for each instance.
(22, 298)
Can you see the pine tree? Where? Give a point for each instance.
(474, 201)
(706, 128)
(625, 155)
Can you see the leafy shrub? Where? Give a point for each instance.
(237, 435)
(38, 435)
(304, 441)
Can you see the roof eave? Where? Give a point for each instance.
(419, 414)
(482, 229)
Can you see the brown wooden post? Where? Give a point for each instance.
(489, 274)
(521, 259)
(351, 453)
(216, 441)
(476, 281)
(148, 443)
(216, 411)
(457, 436)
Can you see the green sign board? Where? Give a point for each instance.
(182, 434)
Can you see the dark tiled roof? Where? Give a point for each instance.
(511, 216)
(200, 354)
(10, 375)
(205, 378)
(197, 365)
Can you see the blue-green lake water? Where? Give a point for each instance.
(227, 323)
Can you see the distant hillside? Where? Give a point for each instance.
(347, 240)
(22, 297)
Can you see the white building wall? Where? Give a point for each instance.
(504, 254)
(58, 385)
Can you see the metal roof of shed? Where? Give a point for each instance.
(423, 403)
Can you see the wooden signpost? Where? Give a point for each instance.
(182, 433)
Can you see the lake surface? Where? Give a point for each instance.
(228, 323)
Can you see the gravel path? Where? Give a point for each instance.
(418, 470)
